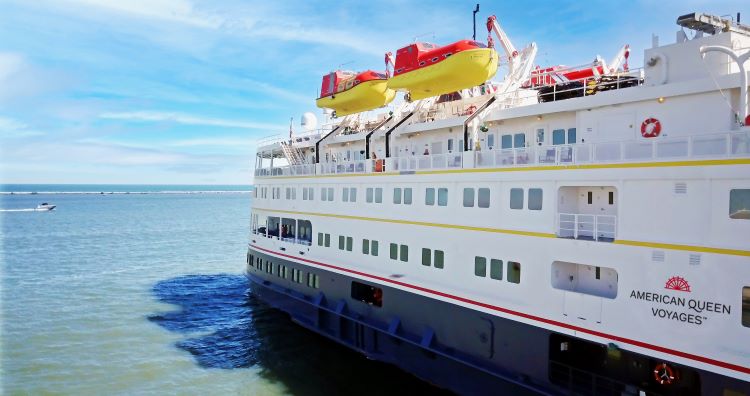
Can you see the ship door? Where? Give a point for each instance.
(437, 148)
(583, 307)
(541, 135)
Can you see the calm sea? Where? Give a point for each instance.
(144, 294)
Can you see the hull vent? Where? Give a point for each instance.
(695, 259)
(658, 256)
(680, 188)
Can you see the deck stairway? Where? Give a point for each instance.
(292, 153)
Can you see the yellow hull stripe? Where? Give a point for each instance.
(742, 161)
(655, 245)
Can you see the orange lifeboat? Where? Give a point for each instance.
(347, 92)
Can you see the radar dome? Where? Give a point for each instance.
(308, 122)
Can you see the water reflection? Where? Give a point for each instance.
(228, 328)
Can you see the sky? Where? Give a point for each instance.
(179, 91)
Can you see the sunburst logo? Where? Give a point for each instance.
(677, 283)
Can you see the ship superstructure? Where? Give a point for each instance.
(575, 230)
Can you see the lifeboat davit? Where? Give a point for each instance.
(426, 70)
(348, 93)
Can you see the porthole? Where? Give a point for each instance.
(435, 59)
(422, 63)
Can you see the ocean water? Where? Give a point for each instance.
(144, 294)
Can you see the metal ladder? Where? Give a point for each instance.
(293, 154)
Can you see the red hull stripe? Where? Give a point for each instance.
(637, 343)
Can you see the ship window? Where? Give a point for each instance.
(397, 195)
(429, 197)
(304, 194)
(739, 204)
(746, 306)
(468, 197)
(378, 195)
(345, 194)
(558, 136)
(442, 197)
(323, 195)
(516, 198)
(365, 246)
(483, 198)
(304, 232)
(342, 242)
(611, 197)
(320, 239)
(506, 141)
(330, 193)
(439, 259)
(367, 294)
(328, 240)
(590, 197)
(374, 248)
(404, 253)
(407, 196)
(496, 269)
(535, 199)
(571, 135)
(519, 140)
(491, 141)
(353, 194)
(540, 135)
(422, 63)
(514, 272)
(450, 145)
(435, 59)
(480, 266)
(369, 195)
(349, 244)
(394, 251)
(426, 256)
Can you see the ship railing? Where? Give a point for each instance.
(587, 226)
(287, 170)
(421, 162)
(336, 167)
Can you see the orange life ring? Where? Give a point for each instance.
(650, 128)
(378, 165)
(663, 374)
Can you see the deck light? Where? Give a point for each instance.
(660, 100)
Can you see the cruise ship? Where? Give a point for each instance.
(477, 219)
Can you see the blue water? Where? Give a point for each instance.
(144, 294)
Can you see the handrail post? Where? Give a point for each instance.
(575, 226)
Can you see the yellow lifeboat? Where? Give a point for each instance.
(348, 93)
(426, 70)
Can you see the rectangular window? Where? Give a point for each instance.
(590, 197)
(323, 195)
(407, 196)
(491, 141)
(365, 246)
(519, 140)
(345, 194)
(746, 306)
(394, 251)
(374, 248)
(571, 135)
(397, 195)
(404, 253)
(739, 204)
(468, 197)
(535, 199)
(426, 257)
(506, 141)
(378, 195)
(328, 240)
(320, 239)
(480, 266)
(558, 136)
(330, 193)
(442, 197)
(496, 269)
(540, 135)
(353, 194)
(349, 244)
(311, 195)
(611, 197)
(439, 259)
(483, 198)
(514, 272)
(342, 242)
(516, 198)
(304, 193)
(369, 195)
(429, 197)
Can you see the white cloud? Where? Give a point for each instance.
(218, 141)
(188, 119)
(10, 128)
(181, 11)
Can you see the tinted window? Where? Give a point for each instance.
(483, 198)
(374, 248)
(506, 141)
(516, 198)
(496, 269)
(369, 195)
(378, 195)
(558, 136)
(468, 197)
(353, 194)
(426, 256)
(439, 257)
(519, 140)
(480, 266)
(397, 195)
(739, 204)
(404, 253)
(394, 251)
(571, 135)
(746, 306)
(514, 272)
(442, 196)
(429, 196)
(535, 199)
(407, 196)
(365, 246)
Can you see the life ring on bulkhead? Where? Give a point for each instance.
(650, 128)
(664, 374)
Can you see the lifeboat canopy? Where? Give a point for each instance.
(425, 69)
(347, 92)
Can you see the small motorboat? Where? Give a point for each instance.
(347, 92)
(45, 207)
(425, 69)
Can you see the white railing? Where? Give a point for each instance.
(734, 144)
(434, 161)
(587, 226)
(299, 241)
